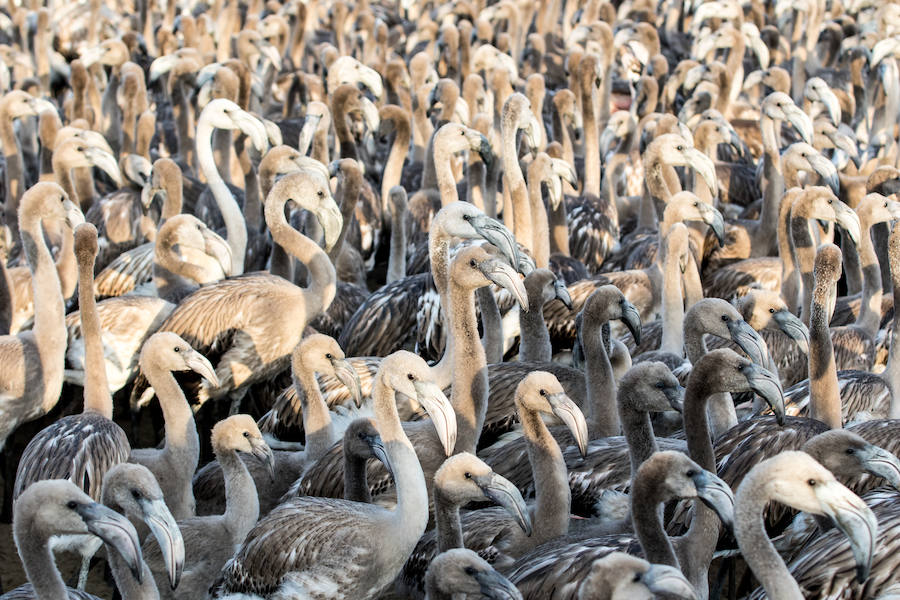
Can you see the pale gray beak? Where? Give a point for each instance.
(497, 234)
(793, 328)
(74, 216)
(749, 341)
(848, 220)
(378, 449)
(116, 531)
(164, 528)
(881, 463)
(200, 365)
(148, 193)
(501, 491)
(851, 515)
(262, 452)
(499, 272)
(801, 122)
(716, 222)
(716, 494)
(668, 582)
(704, 167)
(438, 407)
(329, 216)
(675, 397)
(347, 375)
(561, 292)
(632, 319)
(569, 413)
(105, 162)
(763, 383)
(826, 170)
(495, 586)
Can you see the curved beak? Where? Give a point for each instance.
(749, 340)
(371, 79)
(716, 494)
(331, 220)
(497, 234)
(271, 52)
(826, 170)
(669, 582)
(505, 276)
(263, 452)
(502, 492)
(494, 586)
(675, 397)
(219, 249)
(377, 446)
(91, 56)
(347, 375)
(881, 463)
(163, 527)
(116, 531)
(480, 144)
(105, 162)
(200, 365)
(832, 105)
(704, 167)
(561, 293)
(438, 407)
(161, 66)
(307, 132)
(801, 122)
(39, 105)
(148, 193)
(848, 220)
(793, 328)
(764, 384)
(753, 79)
(632, 319)
(716, 222)
(856, 520)
(251, 127)
(74, 216)
(533, 135)
(569, 413)
(370, 114)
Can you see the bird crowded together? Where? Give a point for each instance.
(454, 300)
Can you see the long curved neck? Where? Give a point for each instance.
(393, 168)
(316, 416)
(39, 566)
(638, 431)
(470, 384)
(491, 324)
(15, 185)
(535, 345)
(591, 143)
(869, 318)
(342, 127)
(322, 277)
(603, 420)
(672, 305)
(350, 185)
(96, 388)
(129, 587)
(66, 265)
(168, 262)
(758, 551)
(356, 486)
(182, 442)
(805, 256)
(241, 500)
(443, 171)
(411, 513)
(764, 235)
(518, 193)
(647, 494)
(397, 258)
(49, 311)
(231, 212)
(695, 548)
(790, 276)
(892, 370)
(447, 522)
(540, 225)
(552, 495)
(824, 394)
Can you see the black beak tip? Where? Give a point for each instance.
(862, 573)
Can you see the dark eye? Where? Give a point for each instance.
(472, 263)
(691, 473)
(772, 311)
(778, 104)
(637, 577)
(885, 204)
(72, 504)
(830, 201)
(803, 154)
(811, 482)
(696, 205)
(470, 571)
(660, 385)
(726, 318)
(410, 376)
(329, 356)
(468, 475)
(361, 435)
(679, 148)
(135, 494)
(466, 217)
(320, 193)
(246, 434)
(543, 392)
(850, 451)
(177, 349)
(80, 148)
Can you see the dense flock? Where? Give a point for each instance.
(527, 299)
